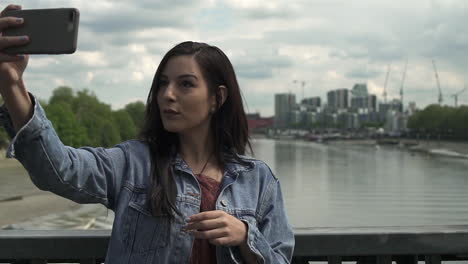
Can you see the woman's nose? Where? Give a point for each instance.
(169, 92)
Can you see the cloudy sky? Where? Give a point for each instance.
(328, 44)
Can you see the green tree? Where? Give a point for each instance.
(137, 113)
(109, 134)
(459, 122)
(66, 125)
(372, 124)
(125, 125)
(436, 119)
(62, 94)
(97, 119)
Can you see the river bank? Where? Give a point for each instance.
(455, 149)
(440, 148)
(25, 208)
(21, 200)
(446, 148)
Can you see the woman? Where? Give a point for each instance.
(184, 192)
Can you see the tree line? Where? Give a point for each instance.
(80, 119)
(441, 121)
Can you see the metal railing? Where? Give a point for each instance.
(381, 245)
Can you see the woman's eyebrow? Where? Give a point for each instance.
(187, 75)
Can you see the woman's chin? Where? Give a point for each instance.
(172, 128)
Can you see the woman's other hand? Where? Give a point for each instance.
(219, 227)
(11, 66)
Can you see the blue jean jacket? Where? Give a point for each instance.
(119, 177)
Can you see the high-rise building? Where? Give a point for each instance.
(396, 121)
(397, 105)
(394, 105)
(372, 102)
(361, 100)
(411, 108)
(338, 99)
(367, 103)
(359, 90)
(312, 101)
(348, 120)
(285, 103)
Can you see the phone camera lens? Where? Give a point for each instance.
(72, 16)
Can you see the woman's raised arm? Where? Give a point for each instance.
(84, 175)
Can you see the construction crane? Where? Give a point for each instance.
(385, 85)
(455, 96)
(440, 99)
(402, 84)
(302, 83)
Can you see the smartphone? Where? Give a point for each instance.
(51, 31)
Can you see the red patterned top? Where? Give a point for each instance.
(203, 251)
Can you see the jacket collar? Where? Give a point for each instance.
(232, 167)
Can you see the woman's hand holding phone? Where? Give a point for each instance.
(12, 87)
(11, 66)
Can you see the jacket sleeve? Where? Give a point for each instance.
(83, 175)
(272, 239)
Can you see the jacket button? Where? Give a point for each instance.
(223, 203)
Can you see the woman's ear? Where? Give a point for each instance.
(223, 92)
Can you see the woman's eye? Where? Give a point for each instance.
(162, 83)
(186, 84)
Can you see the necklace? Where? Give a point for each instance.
(206, 163)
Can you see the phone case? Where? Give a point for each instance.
(51, 31)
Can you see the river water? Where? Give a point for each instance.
(364, 185)
(336, 185)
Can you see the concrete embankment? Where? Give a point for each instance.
(20, 200)
(24, 208)
(441, 148)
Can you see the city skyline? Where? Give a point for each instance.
(327, 44)
(324, 100)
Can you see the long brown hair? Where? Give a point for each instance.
(228, 123)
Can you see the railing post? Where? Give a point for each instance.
(88, 261)
(366, 260)
(433, 259)
(38, 261)
(300, 260)
(406, 259)
(334, 260)
(384, 260)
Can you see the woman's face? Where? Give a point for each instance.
(183, 97)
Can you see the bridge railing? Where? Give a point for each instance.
(381, 245)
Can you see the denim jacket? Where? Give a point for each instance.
(119, 178)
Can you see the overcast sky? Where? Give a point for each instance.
(328, 44)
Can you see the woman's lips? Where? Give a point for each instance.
(170, 111)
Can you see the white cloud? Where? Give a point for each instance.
(92, 58)
(327, 43)
(59, 81)
(89, 77)
(374, 88)
(137, 76)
